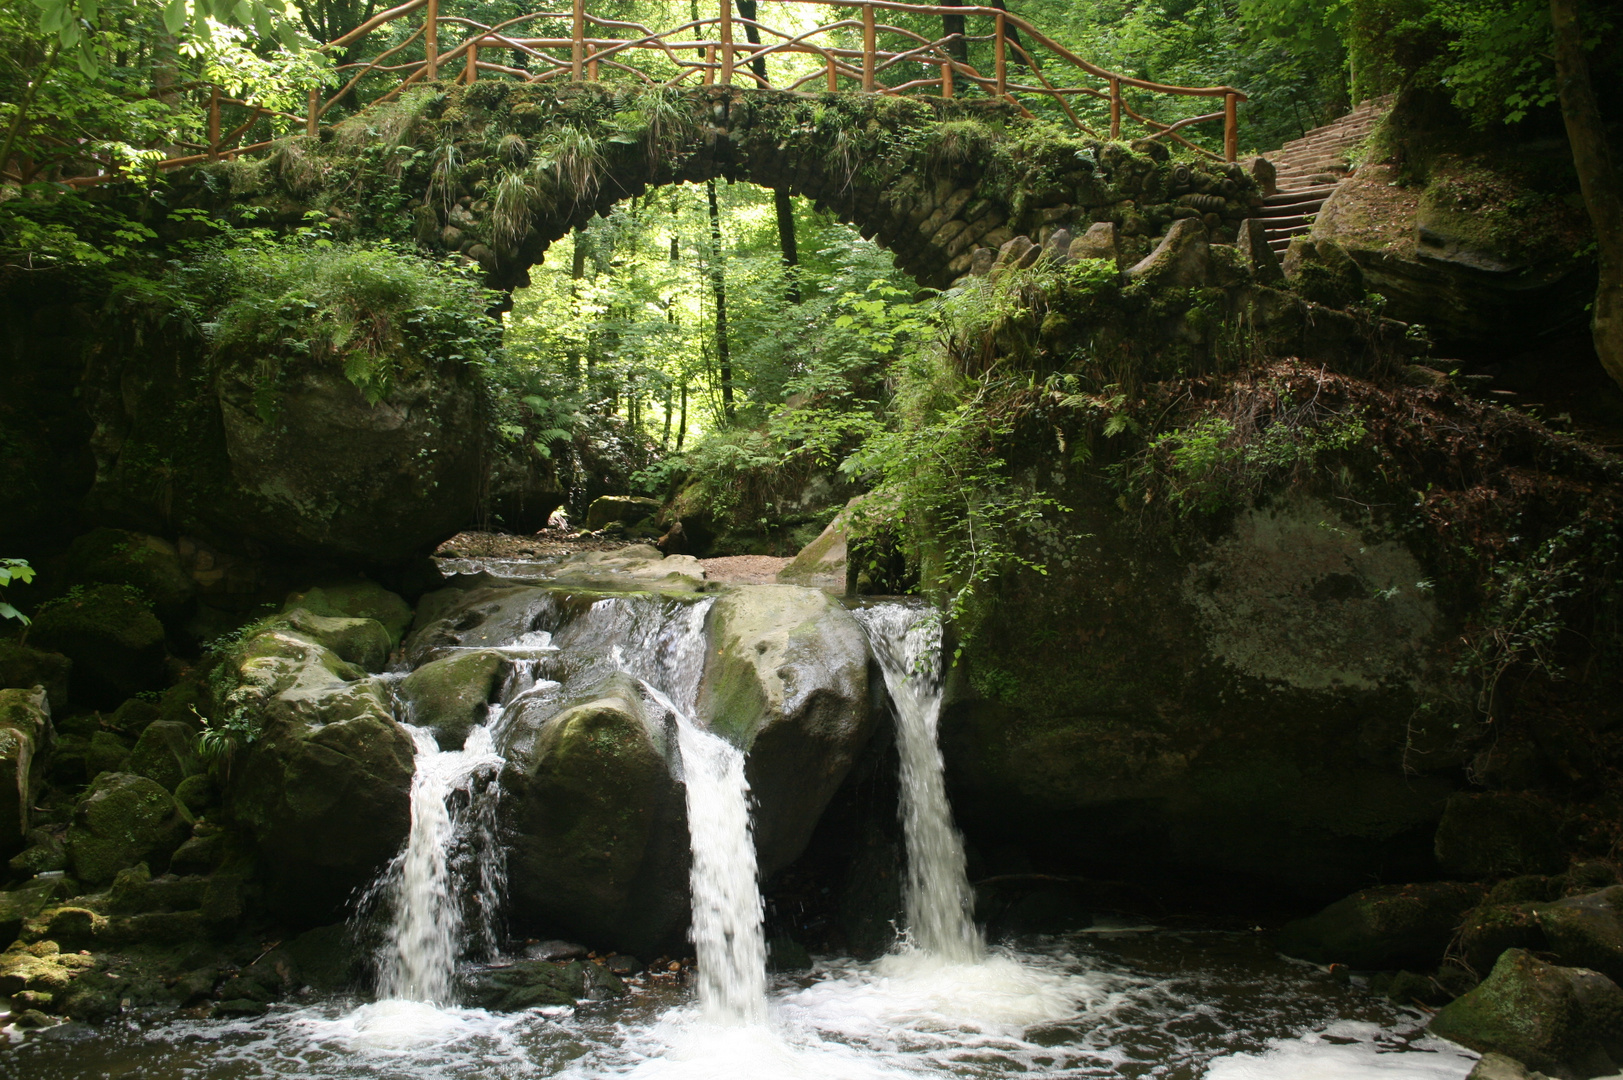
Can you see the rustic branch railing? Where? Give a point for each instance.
(707, 51)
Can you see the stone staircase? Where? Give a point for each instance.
(1308, 169)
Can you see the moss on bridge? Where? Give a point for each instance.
(497, 171)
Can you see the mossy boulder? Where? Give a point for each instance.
(122, 820)
(483, 613)
(25, 735)
(1389, 926)
(1587, 931)
(452, 695)
(132, 717)
(22, 667)
(329, 958)
(526, 984)
(786, 681)
(1567, 1022)
(166, 752)
(362, 642)
(598, 823)
(1483, 835)
(149, 564)
(356, 598)
(324, 791)
(115, 642)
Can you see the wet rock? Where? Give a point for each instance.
(787, 682)
(555, 950)
(643, 567)
(1564, 1021)
(328, 958)
(1499, 1067)
(122, 820)
(1181, 260)
(1483, 835)
(1389, 926)
(786, 954)
(627, 509)
(362, 642)
(113, 639)
(325, 791)
(23, 667)
(452, 695)
(25, 735)
(356, 598)
(599, 824)
(527, 984)
(821, 563)
(477, 615)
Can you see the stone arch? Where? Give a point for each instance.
(928, 179)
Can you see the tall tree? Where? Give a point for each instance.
(718, 285)
(781, 201)
(1597, 179)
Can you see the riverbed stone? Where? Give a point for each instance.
(598, 823)
(452, 695)
(786, 681)
(123, 820)
(115, 642)
(1567, 1022)
(1389, 926)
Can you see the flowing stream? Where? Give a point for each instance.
(1120, 1002)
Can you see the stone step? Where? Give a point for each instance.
(1300, 195)
(1296, 222)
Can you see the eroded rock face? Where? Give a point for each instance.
(786, 680)
(1390, 926)
(25, 735)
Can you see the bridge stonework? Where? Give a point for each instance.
(498, 171)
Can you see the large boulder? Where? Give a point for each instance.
(596, 823)
(786, 681)
(325, 789)
(166, 751)
(115, 642)
(1587, 931)
(120, 821)
(478, 613)
(356, 598)
(1389, 926)
(25, 734)
(452, 695)
(626, 509)
(22, 667)
(362, 642)
(1567, 1022)
(149, 564)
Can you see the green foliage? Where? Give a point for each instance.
(375, 312)
(1225, 457)
(13, 570)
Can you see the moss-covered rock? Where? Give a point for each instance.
(786, 681)
(148, 564)
(599, 825)
(106, 752)
(22, 667)
(527, 984)
(1587, 931)
(1389, 926)
(1483, 835)
(1564, 1021)
(166, 752)
(626, 509)
(362, 642)
(132, 717)
(452, 695)
(356, 598)
(114, 640)
(123, 820)
(25, 735)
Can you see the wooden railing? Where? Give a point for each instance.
(1027, 68)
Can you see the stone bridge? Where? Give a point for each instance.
(497, 171)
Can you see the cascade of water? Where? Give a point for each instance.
(727, 930)
(907, 642)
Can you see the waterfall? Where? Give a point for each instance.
(728, 938)
(907, 642)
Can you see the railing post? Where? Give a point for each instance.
(315, 106)
(591, 66)
(471, 72)
(833, 74)
(1002, 59)
(710, 65)
(726, 42)
(579, 39)
(214, 122)
(946, 81)
(431, 40)
(1231, 127)
(1115, 108)
(867, 48)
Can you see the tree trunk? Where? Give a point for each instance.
(577, 271)
(1597, 179)
(682, 418)
(718, 285)
(954, 24)
(786, 244)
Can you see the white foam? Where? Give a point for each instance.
(395, 1025)
(1349, 1050)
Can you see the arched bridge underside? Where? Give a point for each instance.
(498, 171)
